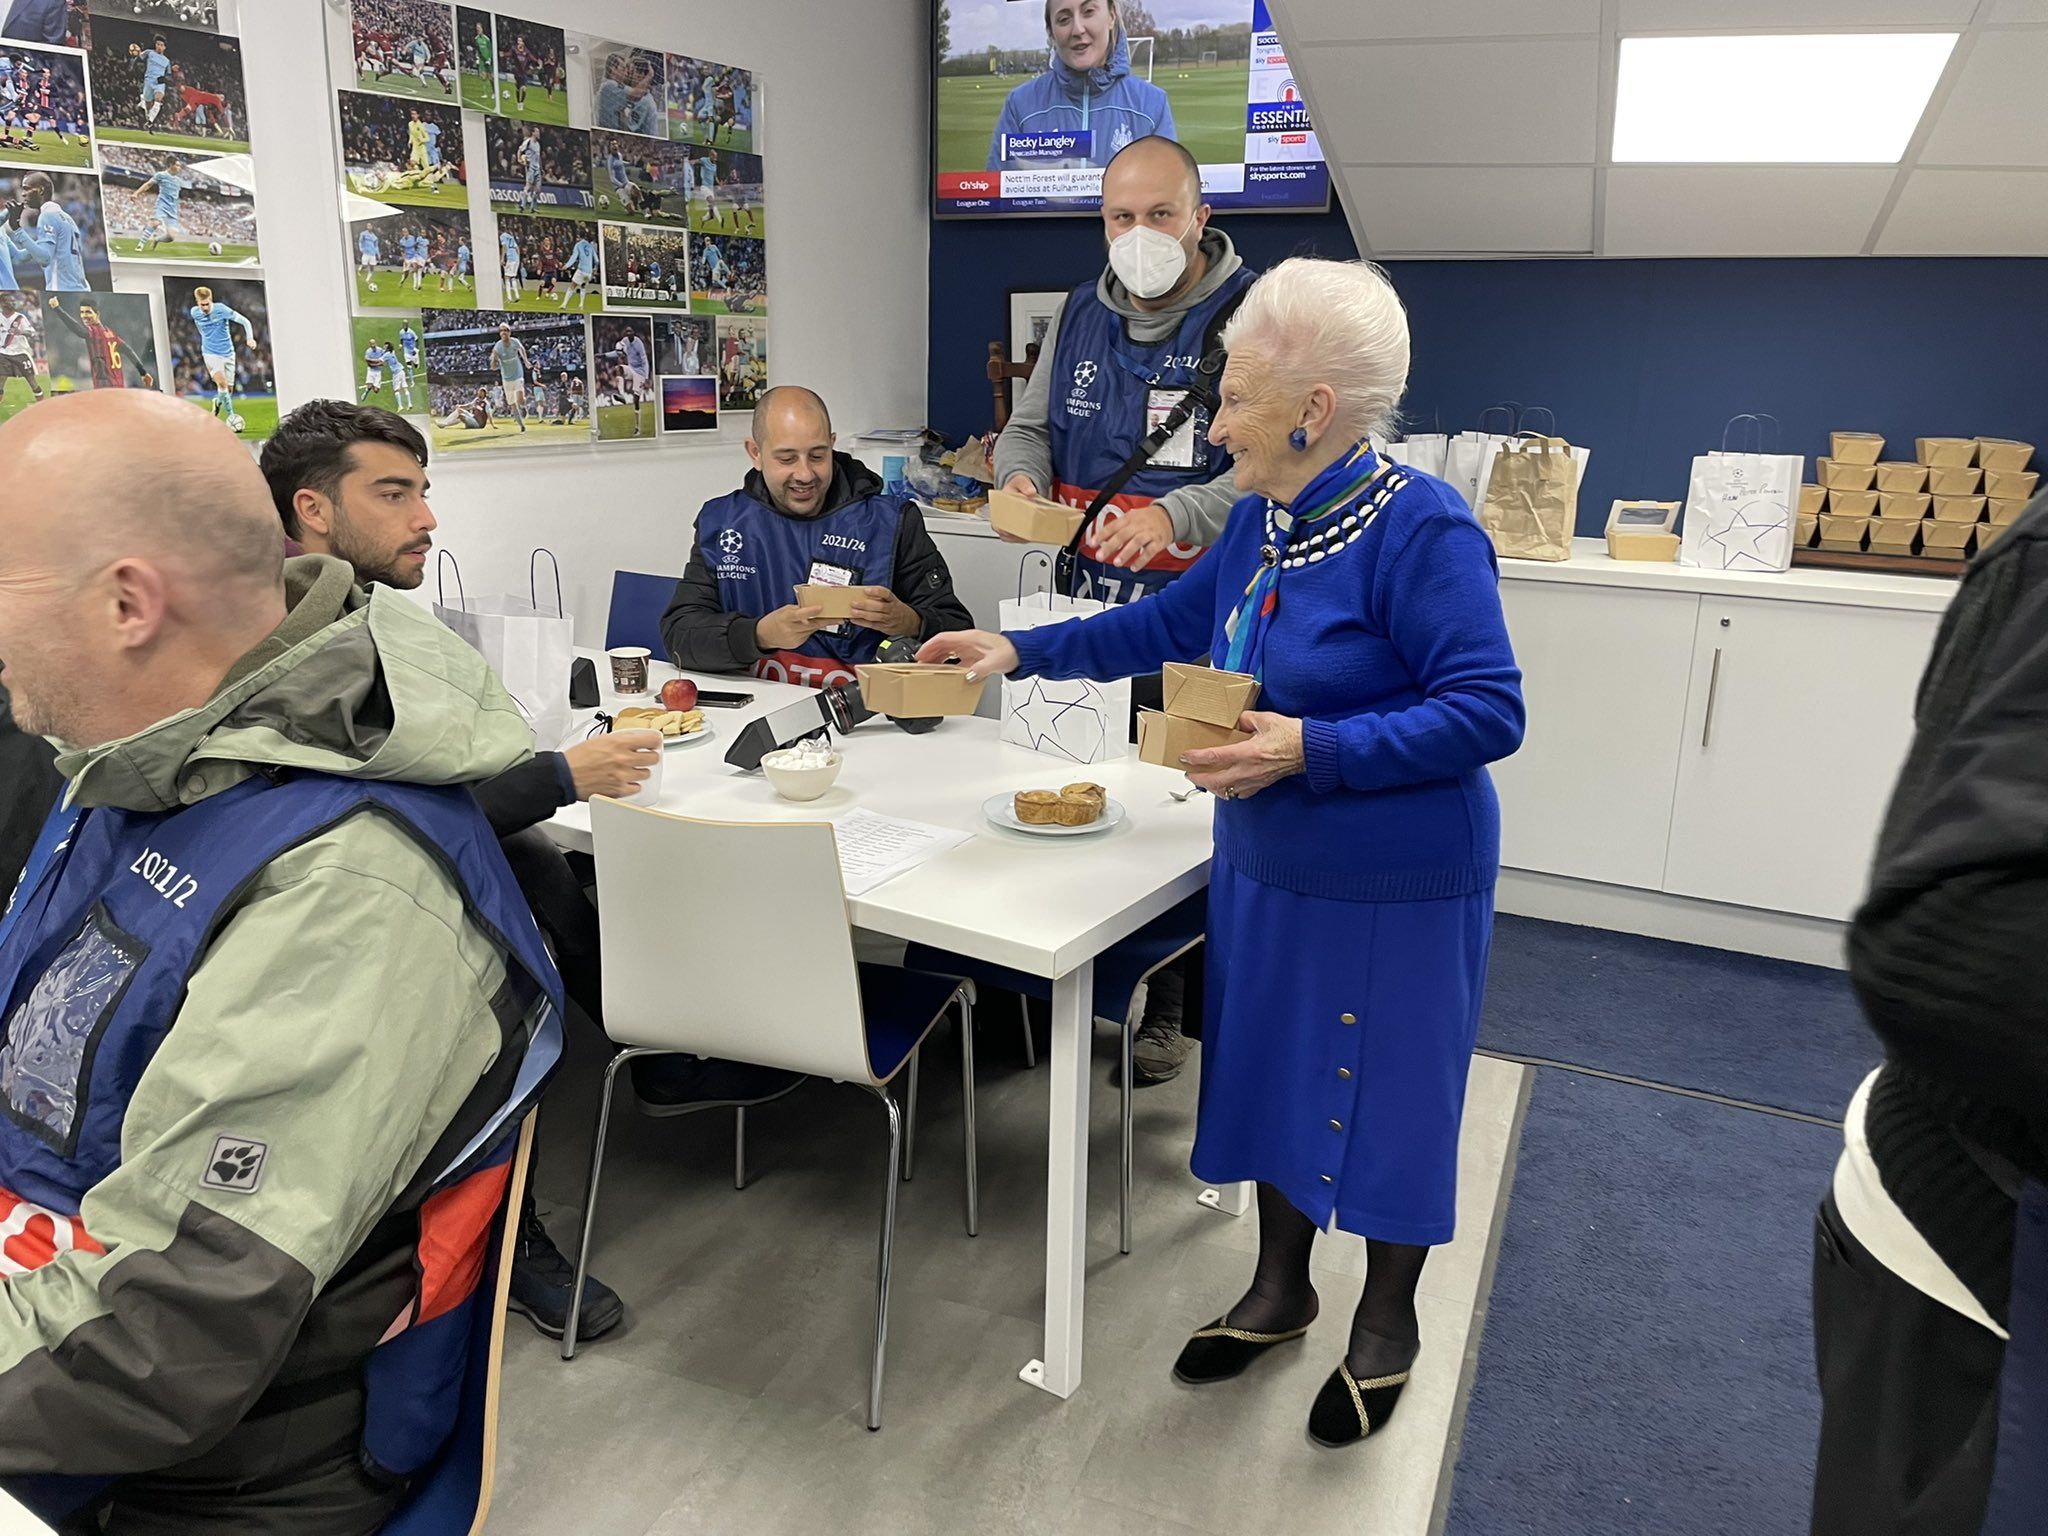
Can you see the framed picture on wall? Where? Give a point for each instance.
(1031, 315)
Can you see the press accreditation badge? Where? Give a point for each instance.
(825, 574)
(1180, 451)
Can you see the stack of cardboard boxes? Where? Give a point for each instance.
(1958, 493)
(1200, 709)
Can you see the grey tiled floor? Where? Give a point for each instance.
(733, 1398)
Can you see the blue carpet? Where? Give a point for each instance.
(1646, 1366)
(1764, 1031)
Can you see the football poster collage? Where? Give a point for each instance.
(124, 151)
(555, 237)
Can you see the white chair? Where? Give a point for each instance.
(740, 900)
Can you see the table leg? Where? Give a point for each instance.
(1066, 1190)
(1230, 1199)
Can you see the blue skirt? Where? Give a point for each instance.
(1336, 1040)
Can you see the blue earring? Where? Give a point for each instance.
(1298, 439)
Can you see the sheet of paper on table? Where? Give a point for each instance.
(874, 848)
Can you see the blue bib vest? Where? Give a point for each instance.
(1101, 385)
(761, 557)
(97, 947)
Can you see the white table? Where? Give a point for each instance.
(1045, 906)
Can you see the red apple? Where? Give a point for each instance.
(679, 693)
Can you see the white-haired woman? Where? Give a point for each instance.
(1087, 105)
(1357, 842)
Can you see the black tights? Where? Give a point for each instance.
(1384, 1330)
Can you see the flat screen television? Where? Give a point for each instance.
(1031, 98)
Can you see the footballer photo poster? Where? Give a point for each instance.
(684, 343)
(628, 91)
(548, 266)
(33, 24)
(623, 379)
(175, 13)
(728, 275)
(173, 205)
(62, 228)
(742, 361)
(711, 104)
(44, 112)
(25, 368)
(539, 168)
(167, 86)
(220, 350)
(99, 341)
(532, 71)
(689, 405)
(728, 194)
(1213, 73)
(646, 180)
(497, 379)
(401, 151)
(405, 48)
(413, 258)
(476, 55)
(644, 267)
(391, 368)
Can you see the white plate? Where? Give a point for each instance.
(703, 733)
(1002, 810)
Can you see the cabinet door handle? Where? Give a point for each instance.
(1713, 688)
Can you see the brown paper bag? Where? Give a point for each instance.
(1532, 499)
(972, 462)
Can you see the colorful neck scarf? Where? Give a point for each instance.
(1338, 489)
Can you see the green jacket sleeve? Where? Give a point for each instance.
(340, 1019)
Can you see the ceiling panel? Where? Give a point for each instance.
(1716, 210)
(1969, 213)
(1997, 114)
(1372, 20)
(2019, 10)
(1454, 103)
(1783, 15)
(1473, 208)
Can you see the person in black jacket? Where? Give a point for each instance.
(29, 786)
(806, 514)
(1919, 1281)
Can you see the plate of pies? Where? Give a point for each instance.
(1073, 811)
(677, 726)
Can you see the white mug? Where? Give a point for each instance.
(649, 792)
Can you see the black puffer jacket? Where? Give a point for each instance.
(28, 788)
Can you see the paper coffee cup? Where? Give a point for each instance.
(650, 787)
(629, 668)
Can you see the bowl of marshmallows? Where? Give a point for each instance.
(803, 771)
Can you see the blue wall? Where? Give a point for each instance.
(1642, 361)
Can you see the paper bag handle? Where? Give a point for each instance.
(1759, 419)
(441, 580)
(1524, 415)
(1507, 408)
(533, 596)
(1024, 564)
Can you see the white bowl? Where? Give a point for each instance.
(801, 783)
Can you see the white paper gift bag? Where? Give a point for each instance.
(529, 648)
(1425, 451)
(1468, 457)
(1078, 720)
(1740, 509)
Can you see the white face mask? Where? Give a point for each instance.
(1149, 261)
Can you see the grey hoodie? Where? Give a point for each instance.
(1198, 512)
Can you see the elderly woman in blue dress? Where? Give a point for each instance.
(1357, 838)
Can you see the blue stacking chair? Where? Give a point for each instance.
(638, 602)
(1119, 972)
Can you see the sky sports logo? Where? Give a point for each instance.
(1278, 117)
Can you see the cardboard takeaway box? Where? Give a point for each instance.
(915, 691)
(1626, 544)
(1856, 447)
(1853, 503)
(1946, 452)
(1893, 536)
(1989, 534)
(2011, 484)
(1205, 694)
(1946, 541)
(1842, 533)
(1958, 509)
(1897, 478)
(2003, 453)
(1837, 476)
(1032, 518)
(2004, 511)
(1955, 481)
(1162, 738)
(1808, 525)
(1910, 504)
(1812, 499)
(837, 602)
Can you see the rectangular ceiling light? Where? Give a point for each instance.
(1849, 97)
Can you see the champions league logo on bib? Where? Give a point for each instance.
(730, 542)
(1078, 403)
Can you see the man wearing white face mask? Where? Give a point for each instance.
(1122, 350)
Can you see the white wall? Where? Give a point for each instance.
(843, 132)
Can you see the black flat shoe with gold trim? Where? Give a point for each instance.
(1218, 1351)
(1347, 1409)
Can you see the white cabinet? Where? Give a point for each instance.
(1603, 675)
(1799, 717)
